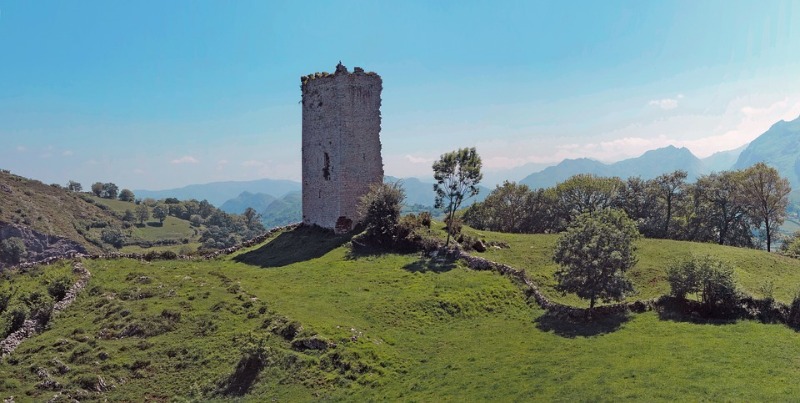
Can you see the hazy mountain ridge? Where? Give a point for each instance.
(778, 147)
(647, 166)
(218, 193)
(258, 201)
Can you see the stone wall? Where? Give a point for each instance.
(341, 145)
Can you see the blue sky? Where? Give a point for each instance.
(163, 94)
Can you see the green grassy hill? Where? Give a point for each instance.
(51, 210)
(173, 231)
(397, 327)
(82, 218)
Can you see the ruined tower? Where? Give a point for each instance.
(341, 144)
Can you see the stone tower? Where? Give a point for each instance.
(341, 144)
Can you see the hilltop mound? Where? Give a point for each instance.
(335, 325)
(51, 211)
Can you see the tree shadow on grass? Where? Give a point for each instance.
(435, 265)
(572, 328)
(298, 245)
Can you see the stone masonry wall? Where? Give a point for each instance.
(341, 144)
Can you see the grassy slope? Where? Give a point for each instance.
(55, 211)
(418, 330)
(47, 209)
(753, 268)
(172, 228)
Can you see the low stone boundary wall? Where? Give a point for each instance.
(139, 256)
(533, 291)
(33, 325)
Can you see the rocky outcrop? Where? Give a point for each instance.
(39, 246)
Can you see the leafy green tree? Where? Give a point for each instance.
(457, 175)
(73, 186)
(640, 202)
(110, 190)
(507, 208)
(251, 216)
(97, 189)
(205, 209)
(128, 216)
(670, 188)
(594, 254)
(727, 209)
(767, 196)
(380, 212)
(127, 195)
(13, 250)
(160, 213)
(584, 193)
(142, 213)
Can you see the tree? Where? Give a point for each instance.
(380, 212)
(767, 196)
(160, 213)
(127, 195)
(12, 250)
(506, 207)
(110, 190)
(587, 193)
(594, 254)
(142, 213)
(97, 189)
(638, 200)
(726, 209)
(251, 216)
(73, 186)
(205, 209)
(128, 216)
(457, 175)
(670, 188)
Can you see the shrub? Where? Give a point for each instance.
(380, 210)
(453, 225)
(425, 219)
(709, 279)
(14, 319)
(58, 288)
(4, 298)
(12, 250)
(794, 311)
(113, 237)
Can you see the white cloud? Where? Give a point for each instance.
(22, 149)
(139, 171)
(666, 103)
(186, 159)
(67, 153)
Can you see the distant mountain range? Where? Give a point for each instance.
(218, 193)
(650, 165)
(778, 147)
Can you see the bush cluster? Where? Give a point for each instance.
(710, 280)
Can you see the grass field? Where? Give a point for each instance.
(753, 268)
(172, 229)
(405, 328)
